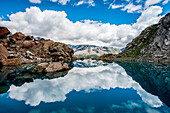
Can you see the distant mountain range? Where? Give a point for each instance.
(92, 51)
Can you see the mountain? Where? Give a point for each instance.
(92, 51)
(152, 45)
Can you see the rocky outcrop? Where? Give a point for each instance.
(50, 67)
(30, 50)
(152, 45)
(4, 32)
(60, 51)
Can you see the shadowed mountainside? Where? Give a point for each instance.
(152, 45)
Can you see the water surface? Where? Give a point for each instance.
(90, 87)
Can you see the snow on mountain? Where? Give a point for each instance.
(92, 50)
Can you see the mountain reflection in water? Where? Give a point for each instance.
(91, 86)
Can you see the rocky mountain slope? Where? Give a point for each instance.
(16, 49)
(152, 45)
(92, 51)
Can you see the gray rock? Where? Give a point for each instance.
(152, 45)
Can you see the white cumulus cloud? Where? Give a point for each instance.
(35, 1)
(63, 2)
(113, 6)
(151, 2)
(89, 2)
(132, 8)
(165, 2)
(56, 26)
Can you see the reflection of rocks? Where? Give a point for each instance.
(18, 75)
(154, 78)
(3, 88)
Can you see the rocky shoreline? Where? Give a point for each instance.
(17, 49)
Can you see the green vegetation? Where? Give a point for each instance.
(152, 32)
(135, 50)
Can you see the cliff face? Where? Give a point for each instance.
(152, 45)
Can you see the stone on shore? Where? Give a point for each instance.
(3, 52)
(11, 62)
(50, 67)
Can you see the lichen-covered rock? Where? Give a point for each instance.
(40, 68)
(3, 52)
(4, 32)
(54, 67)
(152, 45)
(58, 50)
(28, 44)
(12, 61)
(19, 36)
(50, 67)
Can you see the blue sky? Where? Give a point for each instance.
(112, 12)
(99, 12)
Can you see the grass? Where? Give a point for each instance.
(152, 32)
(135, 50)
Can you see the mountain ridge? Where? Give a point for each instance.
(152, 45)
(88, 51)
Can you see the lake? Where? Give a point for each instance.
(89, 87)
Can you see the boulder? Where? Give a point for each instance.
(5, 42)
(3, 52)
(28, 44)
(19, 36)
(40, 67)
(60, 50)
(10, 62)
(65, 66)
(50, 67)
(29, 37)
(54, 67)
(26, 61)
(4, 32)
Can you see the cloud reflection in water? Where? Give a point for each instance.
(97, 78)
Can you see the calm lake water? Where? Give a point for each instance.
(89, 87)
